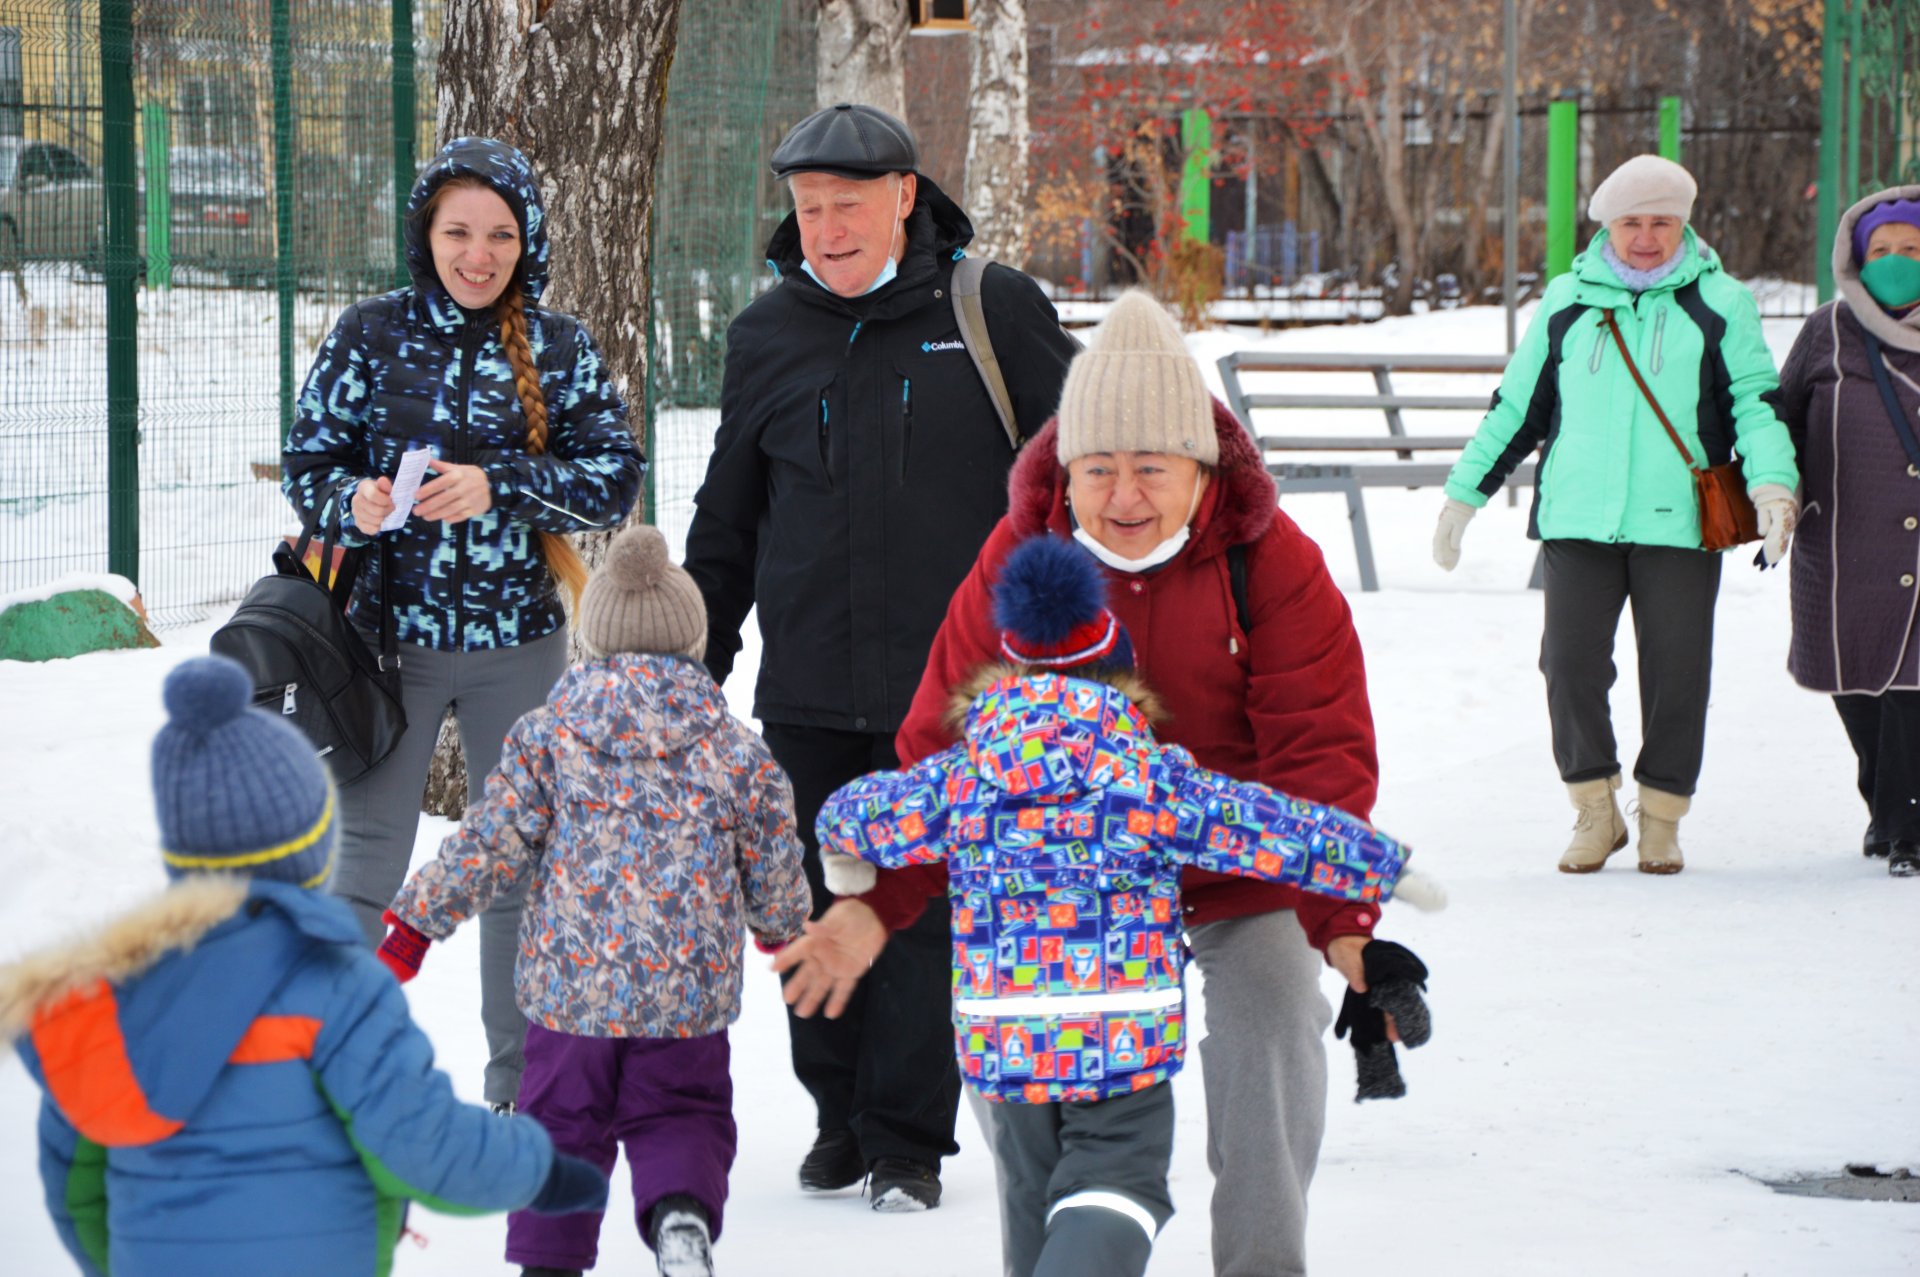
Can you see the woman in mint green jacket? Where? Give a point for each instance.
(1614, 505)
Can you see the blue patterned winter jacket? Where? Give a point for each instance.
(652, 825)
(234, 1088)
(1063, 826)
(411, 369)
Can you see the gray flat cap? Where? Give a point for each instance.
(848, 141)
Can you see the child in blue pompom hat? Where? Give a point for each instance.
(1058, 827)
(233, 1084)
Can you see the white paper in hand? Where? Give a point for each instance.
(406, 482)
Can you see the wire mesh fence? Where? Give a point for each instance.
(742, 75)
(190, 190)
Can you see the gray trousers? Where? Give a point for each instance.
(1673, 593)
(1264, 1063)
(1083, 1185)
(380, 813)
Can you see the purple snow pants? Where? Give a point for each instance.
(669, 1100)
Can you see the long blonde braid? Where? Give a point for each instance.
(556, 547)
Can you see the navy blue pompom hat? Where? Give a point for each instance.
(237, 790)
(1050, 603)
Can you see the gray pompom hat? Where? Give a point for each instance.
(639, 600)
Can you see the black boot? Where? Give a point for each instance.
(899, 1184)
(834, 1162)
(1873, 846)
(1903, 859)
(551, 1272)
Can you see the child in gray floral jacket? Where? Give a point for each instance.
(647, 824)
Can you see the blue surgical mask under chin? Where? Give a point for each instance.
(885, 277)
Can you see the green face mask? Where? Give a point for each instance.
(1893, 280)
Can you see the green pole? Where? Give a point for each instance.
(1670, 129)
(1850, 153)
(404, 125)
(1196, 180)
(155, 129)
(1827, 185)
(283, 166)
(1563, 146)
(122, 265)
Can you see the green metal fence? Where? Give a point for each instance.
(190, 191)
(1869, 110)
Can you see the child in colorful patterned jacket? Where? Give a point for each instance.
(1059, 825)
(650, 824)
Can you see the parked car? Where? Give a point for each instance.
(53, 208)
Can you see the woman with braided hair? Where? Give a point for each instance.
(529, 444)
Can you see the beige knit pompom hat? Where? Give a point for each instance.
(1136, 389)
(639, 600)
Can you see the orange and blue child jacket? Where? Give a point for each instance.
(1063, 826)
(247, 1095)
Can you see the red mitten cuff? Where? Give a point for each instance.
(403, 950)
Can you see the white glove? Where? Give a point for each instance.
(1776, 514)
(1454, 517)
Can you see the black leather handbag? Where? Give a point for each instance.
(310, 664)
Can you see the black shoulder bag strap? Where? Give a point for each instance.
(1877, 361)
(1237, 581)
(340, 589)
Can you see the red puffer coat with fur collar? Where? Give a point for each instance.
(1285, 705)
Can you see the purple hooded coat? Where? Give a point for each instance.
(1856, 555)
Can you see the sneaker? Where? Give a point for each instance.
(504, 1108)
(834, 1162)
(681, 1243)
(1903, 859)
(899, 1185)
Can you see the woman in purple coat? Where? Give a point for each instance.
(1850, 395)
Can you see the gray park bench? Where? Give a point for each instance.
(1378, 470)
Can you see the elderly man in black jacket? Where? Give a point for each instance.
(858, 468)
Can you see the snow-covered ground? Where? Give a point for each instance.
(1617, 1060)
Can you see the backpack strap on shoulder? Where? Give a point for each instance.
(972, 319)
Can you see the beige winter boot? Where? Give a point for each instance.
(1599, 830)
(1659, 813)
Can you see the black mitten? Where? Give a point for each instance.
(1395, 978)
(572, 1186)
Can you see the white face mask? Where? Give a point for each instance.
(888, 269)
(1152, 558)
(1119, 563)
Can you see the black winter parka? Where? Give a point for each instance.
(858, 469)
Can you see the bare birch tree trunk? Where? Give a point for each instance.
(997, 135)
(861, 54)
(1386, 128)
(581, 87)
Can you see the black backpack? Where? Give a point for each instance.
(291, 634)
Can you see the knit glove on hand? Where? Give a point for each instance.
(403, 950)
(1776, 514)
(1395, 979)
(1454, 517)
(573, 1186)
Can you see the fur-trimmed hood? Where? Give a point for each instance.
(1237, 508)
(1901, 334)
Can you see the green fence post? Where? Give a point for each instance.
(283, 168)
(1850, 153)
(158, 145)
(1670, 129)
(1563, 146)
(122, 266)
(1196, 180)
(404, 126)
(1827, 184)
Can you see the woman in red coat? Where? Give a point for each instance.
(1166, 489)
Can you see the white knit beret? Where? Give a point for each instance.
(1645, 185)
(1136, 389)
